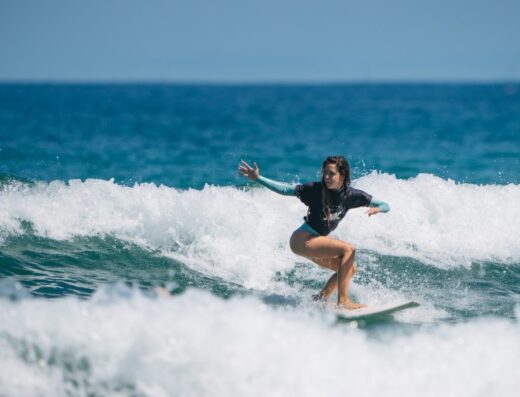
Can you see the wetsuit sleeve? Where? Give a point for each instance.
(286, 189)
(375, 203)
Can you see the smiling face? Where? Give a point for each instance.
(332, 178)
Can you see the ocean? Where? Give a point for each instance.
(109, 191)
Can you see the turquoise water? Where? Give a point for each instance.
(108, 191)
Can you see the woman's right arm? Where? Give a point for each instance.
(254, 174)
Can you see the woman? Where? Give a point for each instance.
(328, 202)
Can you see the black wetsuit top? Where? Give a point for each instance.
(341, 201)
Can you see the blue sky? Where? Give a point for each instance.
(252, 40)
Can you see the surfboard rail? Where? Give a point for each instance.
(376, 310)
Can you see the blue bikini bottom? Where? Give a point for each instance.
(307, 228)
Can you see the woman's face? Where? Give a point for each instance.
(332, 178)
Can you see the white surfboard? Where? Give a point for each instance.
(372, 311)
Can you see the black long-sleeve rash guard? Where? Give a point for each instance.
(310, 194)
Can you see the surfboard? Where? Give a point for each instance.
(373, 311)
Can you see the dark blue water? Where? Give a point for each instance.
(110, 191)
(186, 136)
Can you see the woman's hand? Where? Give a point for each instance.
(373, 211)
(246, 170)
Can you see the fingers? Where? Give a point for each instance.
(372, 211)
(245, 169)
(246, 166)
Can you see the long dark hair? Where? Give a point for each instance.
(344, 170)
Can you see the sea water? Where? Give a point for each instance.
(110, 191)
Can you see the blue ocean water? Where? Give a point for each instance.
(186, 136)
(108, 191)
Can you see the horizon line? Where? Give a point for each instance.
(257, 82)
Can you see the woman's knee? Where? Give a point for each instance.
(348, 250)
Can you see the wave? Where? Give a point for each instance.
(241, 235)
(440, 221)
(122, 342)
(52, 269)
(8, 179)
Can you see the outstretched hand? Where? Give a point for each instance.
(373, 211)
(246, 170)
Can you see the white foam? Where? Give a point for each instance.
(197, 344)
(236, 235)
(439, 221)
(242, 236)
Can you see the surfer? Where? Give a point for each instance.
(328, 202)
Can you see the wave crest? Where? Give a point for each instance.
(246, 232)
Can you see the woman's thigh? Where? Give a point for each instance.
(327, 263)
(325, 250)
(330, 263)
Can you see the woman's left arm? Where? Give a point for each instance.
(377, 206)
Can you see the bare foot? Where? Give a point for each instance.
(349, 305)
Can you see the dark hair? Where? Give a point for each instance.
(344, 170)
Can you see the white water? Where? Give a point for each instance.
(440, 221)
(198, 345)
(242, 236)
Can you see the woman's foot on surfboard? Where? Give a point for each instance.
(349, 305)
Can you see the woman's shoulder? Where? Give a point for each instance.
(352, 190)
(357, 194)
(308, 191)
(311, 185)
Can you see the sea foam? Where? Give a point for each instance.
(198, 344)
(440, 221)
(242, 235)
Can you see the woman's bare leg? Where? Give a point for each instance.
(322, 248)
(329, 288)
(332, 284)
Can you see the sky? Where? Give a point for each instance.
(259, 40)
